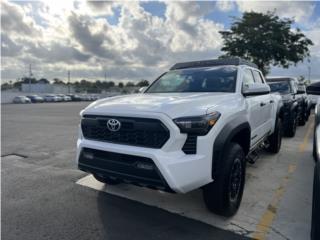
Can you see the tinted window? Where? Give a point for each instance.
(281, 87)
(248, 77)
(314, 88)
(213, 79)
(257, 77)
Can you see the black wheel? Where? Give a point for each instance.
(106, 180)
(223, 196)
(276, 138)
(291, 129)
(315, 224)
(302, 119)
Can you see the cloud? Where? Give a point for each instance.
(301, 11)
(55, 52)
(8, 47)
(56, 37)
(15, 21)
(225, 6)
(100, 7)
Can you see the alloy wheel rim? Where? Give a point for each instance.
(235, 180)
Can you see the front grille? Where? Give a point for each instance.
(132, 169)
(143, 132)
(190, 146)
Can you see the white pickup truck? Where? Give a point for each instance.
(193, 127)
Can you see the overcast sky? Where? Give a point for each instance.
(130, 40)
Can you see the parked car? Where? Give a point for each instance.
(21, 99)
(293, 113)
(64, 98)
(192, 128)
(74, 97)
(94, 97)
(85, 97)
(35, 99)
(315, 222)
(312, 91)
(51, 98)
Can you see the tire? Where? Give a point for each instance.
(107, 180)
(276, 138)
(302, 119)
(291, 130)
(315, 222)
(223, 196)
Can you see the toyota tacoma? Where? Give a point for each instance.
(293, 105)
(193, 127)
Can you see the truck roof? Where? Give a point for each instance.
(213, 62)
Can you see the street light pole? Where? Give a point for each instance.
(30, 75)
(68, 81)
(309, 73)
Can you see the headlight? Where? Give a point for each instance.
(199, 125)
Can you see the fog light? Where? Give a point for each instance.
(144, 166)
(88, 155)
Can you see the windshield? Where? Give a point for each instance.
(213, 79)
(281, 87)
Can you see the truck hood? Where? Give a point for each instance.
(172, 104)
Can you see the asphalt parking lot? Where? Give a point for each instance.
(44, 196)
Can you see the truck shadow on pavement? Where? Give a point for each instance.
(127, 219)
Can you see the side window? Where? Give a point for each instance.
(247, 77)
(257, 77)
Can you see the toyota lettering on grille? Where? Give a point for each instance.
(113, 125)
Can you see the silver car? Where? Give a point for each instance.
(21, 99)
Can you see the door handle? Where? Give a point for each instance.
(271, 101)
(262, 104)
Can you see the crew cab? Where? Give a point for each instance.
(293, 105)
(193, 127)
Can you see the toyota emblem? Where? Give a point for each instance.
(113, 125)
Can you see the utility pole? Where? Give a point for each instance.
(68, 81)
(30, 76)
(105, 76)
(309, 73)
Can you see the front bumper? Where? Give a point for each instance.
(178, 172)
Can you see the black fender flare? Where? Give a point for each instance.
(224, 138)
(280, 109)
(294, 106)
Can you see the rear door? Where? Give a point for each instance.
(253, 106)
(258, 109)
(266, 103)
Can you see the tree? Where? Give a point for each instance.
(28, 80)
(130, 84)
(266, 40)
(120, 85)
(5, 86)
(57, 81)
(43, 80)
(143, 83)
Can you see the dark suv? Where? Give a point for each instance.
(293, 104)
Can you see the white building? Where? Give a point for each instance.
(46, 88)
